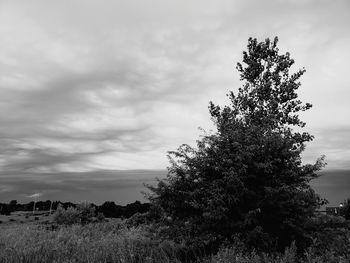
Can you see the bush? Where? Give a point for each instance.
(67, 216)
(82, 214)
(290, 255)
(320, 222)
(346, 209)
(138, 219)
(100, 217)
(234, 255)
(86, 212)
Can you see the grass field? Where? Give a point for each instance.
(101, 242)
(26, 239)
(23, 217)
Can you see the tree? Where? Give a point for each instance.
(110, 209)
(13, 205)
(247, 178)
(346, 209)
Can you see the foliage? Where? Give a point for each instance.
(87, 212)
(67, 216)
(234, 255)
(115, 242)
(346, 209)
(290, 255)
(247, 178)
(100, 216)
(5, 209)
(110, 209)
(84, 213)
(323, 221)
(330, 234)
(334, 240)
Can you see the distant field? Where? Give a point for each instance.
(23, 217)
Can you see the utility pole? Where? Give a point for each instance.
(50, 207)
(34, 205)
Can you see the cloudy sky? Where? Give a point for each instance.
(98, 85)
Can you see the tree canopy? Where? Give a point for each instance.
(246, 179)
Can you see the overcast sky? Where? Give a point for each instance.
(103, 85)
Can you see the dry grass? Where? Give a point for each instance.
(102, 242)
(25, 217)
(113, 241)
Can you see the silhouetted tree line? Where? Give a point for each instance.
(108, 208)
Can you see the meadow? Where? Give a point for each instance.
(23, 217)
(26, 239)
(103, 242)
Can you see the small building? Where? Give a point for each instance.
(335, 210)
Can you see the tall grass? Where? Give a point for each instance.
(234, 255)
(115, 242)
(102, 242)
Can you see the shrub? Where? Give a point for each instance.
(313, 254)
(138, 219)
(82, 214)
(346, 209)
(86, 212)
(320, 222)
(67, 216)
(100, 217)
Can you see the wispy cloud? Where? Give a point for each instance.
(36, 195)
(91, 85)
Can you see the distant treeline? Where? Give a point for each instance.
(108, 208)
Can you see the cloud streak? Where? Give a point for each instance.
(95, 85)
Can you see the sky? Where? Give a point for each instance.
(88, 87)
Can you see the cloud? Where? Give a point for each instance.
(36, 195)
(94, 85)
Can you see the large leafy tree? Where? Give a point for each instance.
(247, 178)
